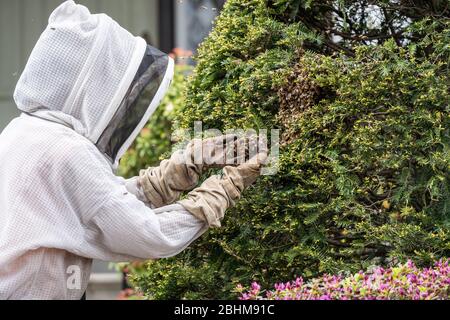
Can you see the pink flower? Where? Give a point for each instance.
(402, 282)
(256, 286)
(245, 296)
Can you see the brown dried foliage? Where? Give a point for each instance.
(297, 95)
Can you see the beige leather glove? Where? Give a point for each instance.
(216, 194)
(164, 184)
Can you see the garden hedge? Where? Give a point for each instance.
(364, 170)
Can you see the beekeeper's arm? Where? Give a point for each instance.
(164, 184)
(130, 230)
(125, 228)
(219, 192)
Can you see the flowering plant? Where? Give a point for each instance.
(130, 294)
(405, 282)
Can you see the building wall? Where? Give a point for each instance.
(22, 21)
(193, 22)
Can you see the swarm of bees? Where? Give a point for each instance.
(297, 95)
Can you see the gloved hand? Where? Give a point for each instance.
(216, 194)
(164, 184)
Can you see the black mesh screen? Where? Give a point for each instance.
(135, 103)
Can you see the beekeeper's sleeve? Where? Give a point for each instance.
(119, 226)
(133, 187)
(130, 230)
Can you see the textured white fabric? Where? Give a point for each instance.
(61, 206)
(60, 203)
(80, 69)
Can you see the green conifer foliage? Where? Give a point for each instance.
(364, 175)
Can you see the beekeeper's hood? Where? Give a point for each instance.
(92, 75)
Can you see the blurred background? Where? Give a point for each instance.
(165, 24)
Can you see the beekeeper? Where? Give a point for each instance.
(87, 90)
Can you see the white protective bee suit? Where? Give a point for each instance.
(87, 90)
